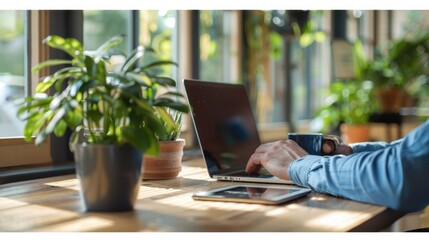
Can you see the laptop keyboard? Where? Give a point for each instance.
(262, 173)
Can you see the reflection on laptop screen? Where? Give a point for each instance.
(224, 122)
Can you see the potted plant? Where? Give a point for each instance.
(388, 85)
(395, 74)
(168, 163)
(410, 57)
(113, 119)
(348, 107)
(349, 104)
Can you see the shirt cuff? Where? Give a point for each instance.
(299, 169)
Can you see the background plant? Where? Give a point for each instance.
(112, 107)
(173, 127)
(346, 102)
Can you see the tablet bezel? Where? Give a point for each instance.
(208, 195)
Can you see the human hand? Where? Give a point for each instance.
(275, 157)
(340, 147)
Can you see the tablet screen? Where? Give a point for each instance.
(270, 194)
(257, 194)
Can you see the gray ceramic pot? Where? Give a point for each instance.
(109, 176)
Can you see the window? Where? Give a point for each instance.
(12, 70)
(264, 66)
(21, 33)
(274, 59)
(218, 46)
(158, 29)
(100, 25)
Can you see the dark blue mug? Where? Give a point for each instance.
(312, 142)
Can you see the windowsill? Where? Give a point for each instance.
(35, 172)
(16, 174)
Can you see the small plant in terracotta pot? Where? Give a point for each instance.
(168, 163)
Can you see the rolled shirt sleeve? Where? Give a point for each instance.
(394, 174)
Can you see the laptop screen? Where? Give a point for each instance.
(224, 123)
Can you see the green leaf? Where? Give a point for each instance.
(94, 116)
(70, 45)
(166, 118)
(46, 84)
(132, 59)
(35, 124)
(102, 51)
(57, 78)
(176, 94)
(142, 80)
(60, 128)
(55, 120)
(143, 105)
(89, 64)
(164, 81)
(74, 87)
(40, 138)
(319, 36)
(33, 102)
(165, 102)
(141, 138)
(56, 101)
(158, 63)
(306, 39)
(52, 62)
(100, 74)
(73, 118)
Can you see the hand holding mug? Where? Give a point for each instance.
(315, 143)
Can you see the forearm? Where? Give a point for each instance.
(371, 146)
(395, 176)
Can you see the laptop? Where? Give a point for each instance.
(226, 130)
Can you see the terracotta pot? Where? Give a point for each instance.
(354, 133)
(167, 164)
(390, 99)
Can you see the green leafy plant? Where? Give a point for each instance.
(309, 33)
(173, 127)
(109, 107)
(346, 102)
(403, 63)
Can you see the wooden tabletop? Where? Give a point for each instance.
(53, 204)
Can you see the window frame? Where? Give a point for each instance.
(14, 150)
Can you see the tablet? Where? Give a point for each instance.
(252, 194)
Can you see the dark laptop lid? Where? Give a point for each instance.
(224, 122)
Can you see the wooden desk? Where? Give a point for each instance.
(53, 204)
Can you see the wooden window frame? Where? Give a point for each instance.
(15, 151)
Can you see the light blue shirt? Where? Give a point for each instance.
(394, 174)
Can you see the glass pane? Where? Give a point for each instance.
(158, 31)
(264, 64)
(214, 43)
(12, 69)
(100, 25)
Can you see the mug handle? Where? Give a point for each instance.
(333, 141)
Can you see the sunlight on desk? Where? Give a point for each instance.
(279, 211)
(69, 184)
(79, 224)
(193, 172)
(10, 203)
(337, 219)
(150, 192)
(17, 219)
(54, 204)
